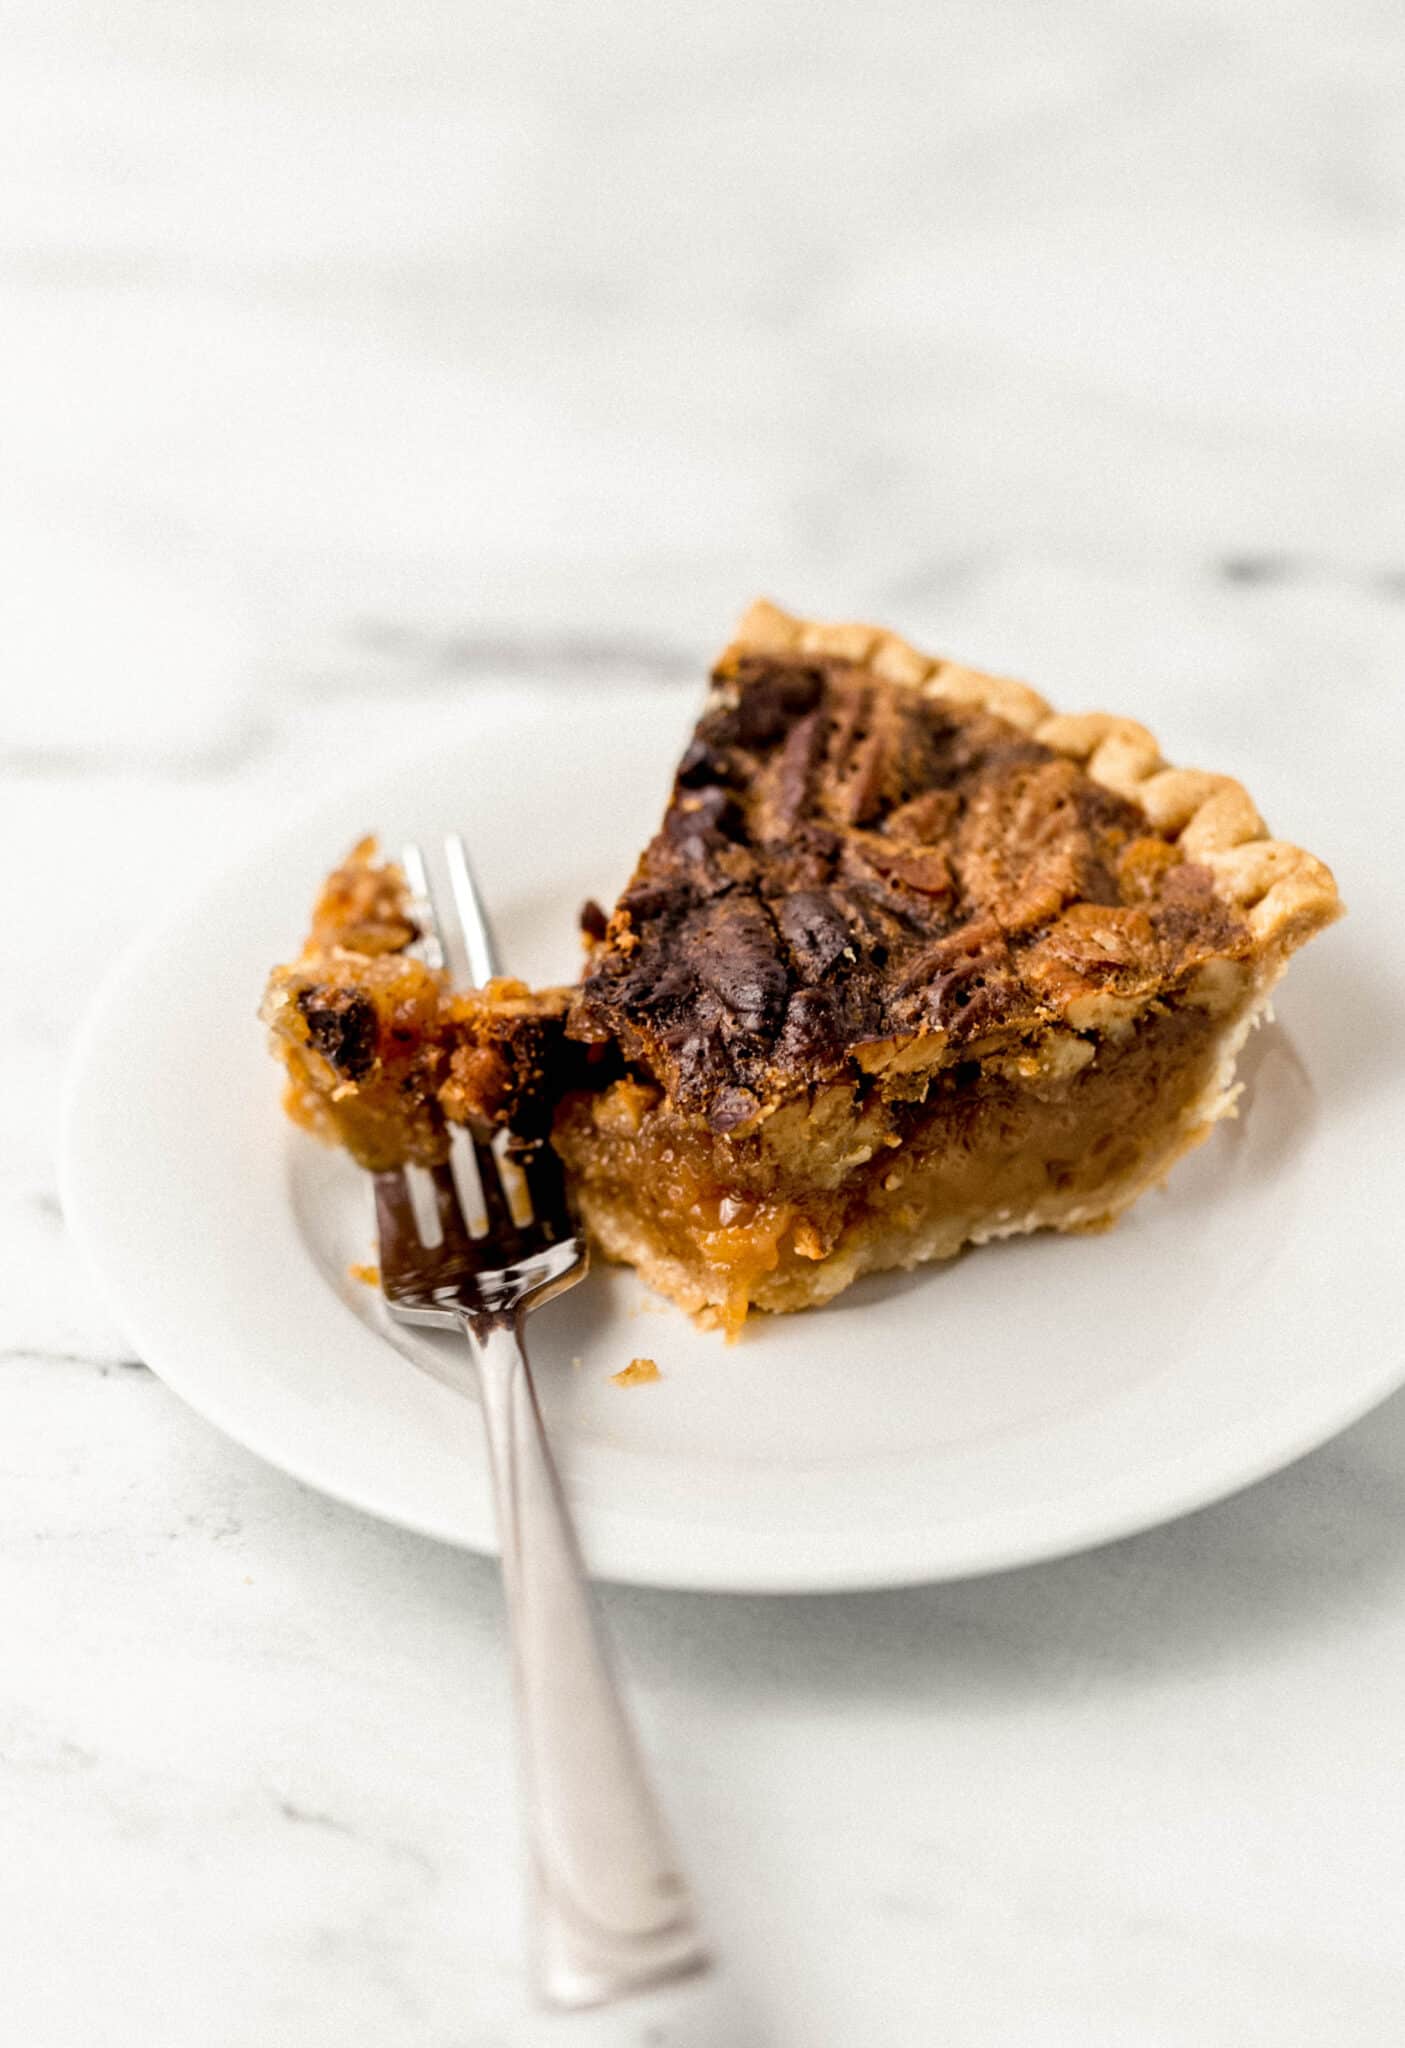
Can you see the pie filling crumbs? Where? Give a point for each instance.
(638, 1373)
(911, 964)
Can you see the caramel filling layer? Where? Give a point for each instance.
(848, 1180)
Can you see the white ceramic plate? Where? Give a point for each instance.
(1026, 1400)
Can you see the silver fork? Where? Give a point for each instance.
(611, 1911)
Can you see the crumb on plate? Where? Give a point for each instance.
(637, 1373)
(369, 1276)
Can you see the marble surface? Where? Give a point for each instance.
(359, 358)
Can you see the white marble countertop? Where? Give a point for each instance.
(359, 358)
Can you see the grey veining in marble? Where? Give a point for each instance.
(357, 358)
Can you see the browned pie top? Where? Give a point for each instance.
(845, 860)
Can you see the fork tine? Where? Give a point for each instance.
(457, 1244)
(502, 1231)
(546, 1186)
(395, 1216)
(478, 940)
(452, 935)
(429, 945)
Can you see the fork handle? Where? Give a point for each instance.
(611, 1910)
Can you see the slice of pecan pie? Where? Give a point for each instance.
(912, 963)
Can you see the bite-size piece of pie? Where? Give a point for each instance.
(913, 963)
